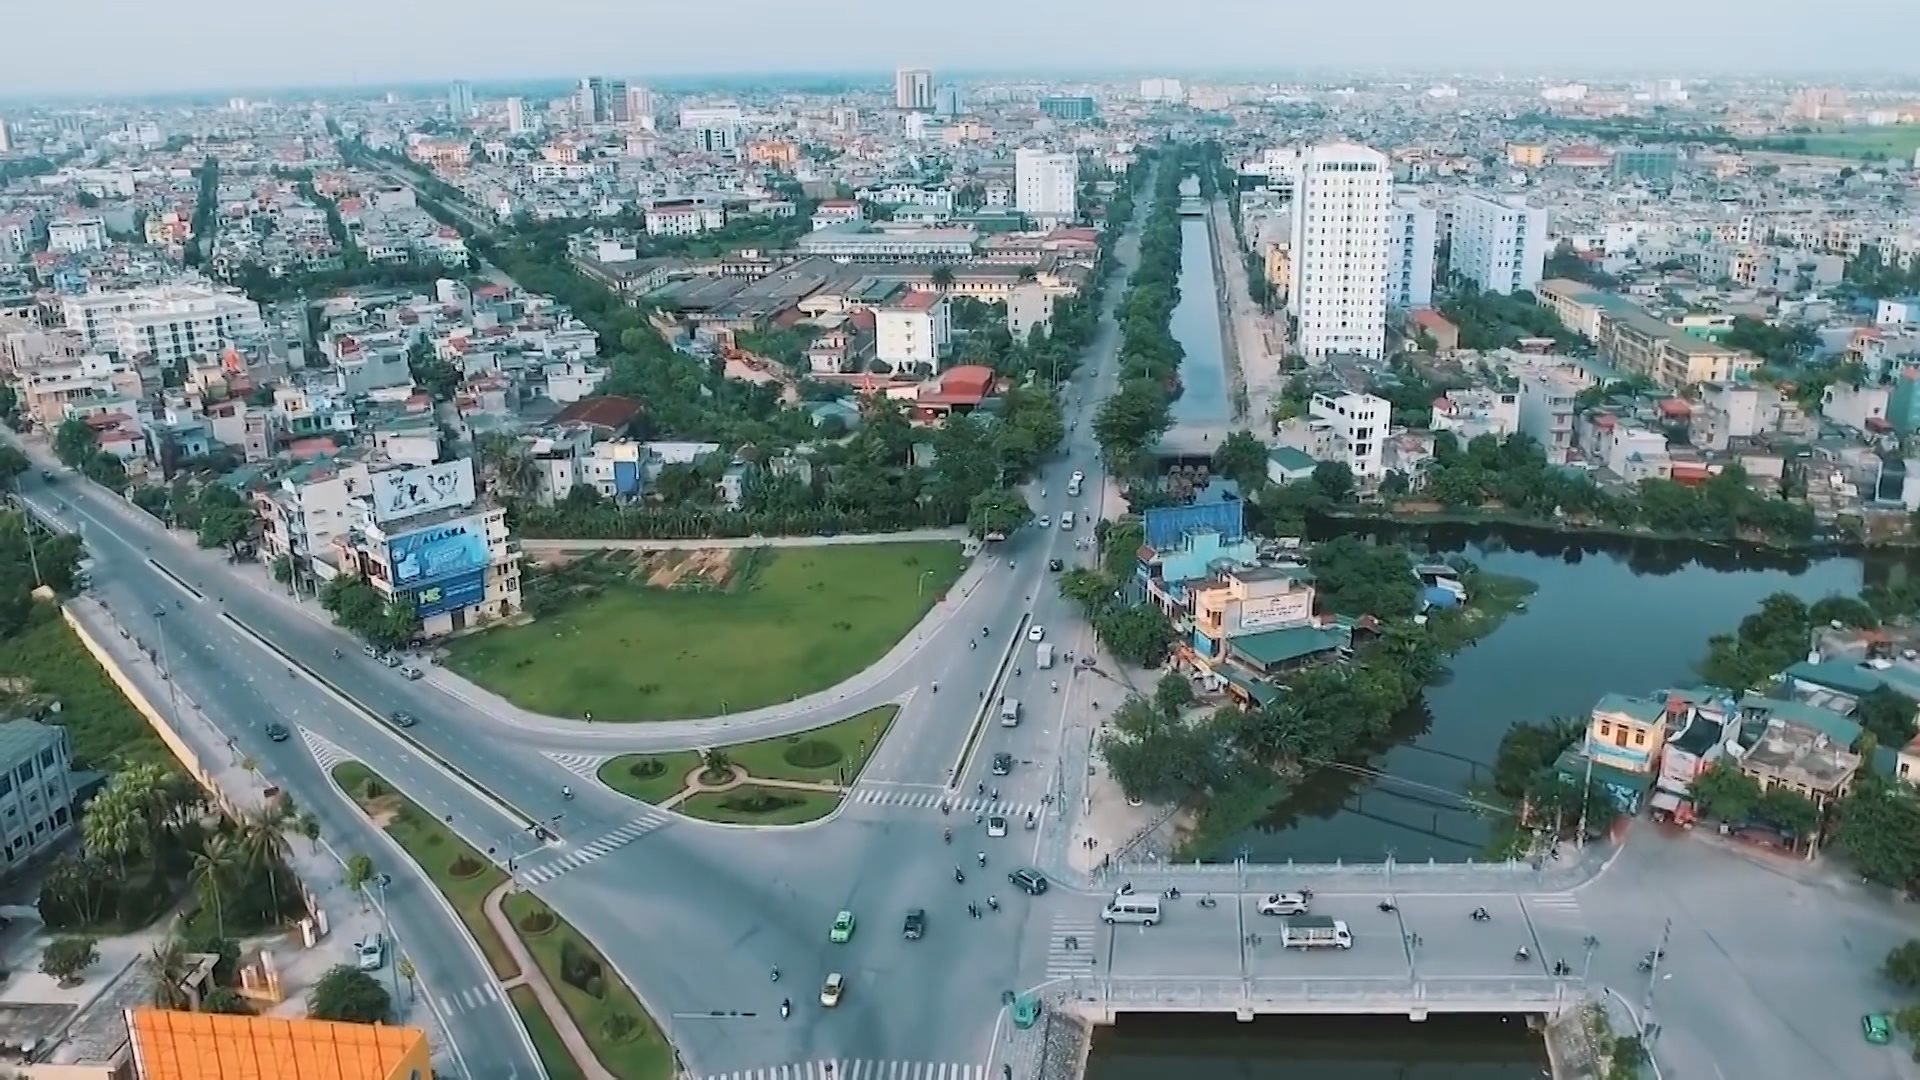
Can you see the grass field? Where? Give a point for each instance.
(797, 620)
(751, 804)
(48, 661)
(615, 1024)
(1897, 141)
(436, 849)
(546, 1038)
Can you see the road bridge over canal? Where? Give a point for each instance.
(1102, 1000)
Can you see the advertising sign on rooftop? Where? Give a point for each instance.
(436, 554)
(399, 494)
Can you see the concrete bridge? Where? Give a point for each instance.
(1102, 1000)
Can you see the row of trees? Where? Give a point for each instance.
(1137, 412)
(74, 445)
(360, 609)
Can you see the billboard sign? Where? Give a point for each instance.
(462, 591)
(407, 492)
(434, 555)
(1281, 609)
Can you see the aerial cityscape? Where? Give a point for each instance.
(871, 545)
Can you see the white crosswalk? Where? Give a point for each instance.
(649, 820)
(930, 798)
(474, 997)
(1070, 946)
(1556, 905)
(858, 1069)
(584, 766)
(328, 754)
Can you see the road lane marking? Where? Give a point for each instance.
(598, 848)
(584, 766)
(325, 753)
(930, 800)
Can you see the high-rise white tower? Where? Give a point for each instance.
(1340, 211)
(1046, 186)
(1499, 242)
(516, 115)
(1411, 239)
(460, 100)
(913, 89)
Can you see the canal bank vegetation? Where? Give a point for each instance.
(1229, 768)
(1138, 411)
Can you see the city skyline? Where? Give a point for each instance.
(140, 49)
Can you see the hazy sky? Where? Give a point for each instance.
(119, 46)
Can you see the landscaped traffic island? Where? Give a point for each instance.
(785, 780)
(636, 636)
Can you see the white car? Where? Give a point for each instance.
(1285, 903)
(1045, 522)
(1036, 633)
(836, 985)
(996, 826)
(371, 954)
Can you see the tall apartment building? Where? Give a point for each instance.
(600, 100)
(1340, 254)
(1499, 242)
(6, 144)
(1068, 108)
(1046, 186)
(1546, 412)
(459, 100)
(1411, 239)
(164, 322)
(639, 105)
(913, 89)
(516, 115)
(1358, 425)
(36, 790)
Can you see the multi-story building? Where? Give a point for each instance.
(516, 115)
(913, 89)
(639, 109)
(1339, 251)
(1499, 243)
(167, 1043)
(1472, 413)
(36, 791)
(1546, 412)
(1046, 185)
(1358, 426)
(308, 506)
(1655, 164)
(1640, 344)
(1411, 239)
(1068, 108)
(913, 329)
(460, 100)
(164, 323)
(421, 538)
(1627, 732)
(72, 236)
(48, 389)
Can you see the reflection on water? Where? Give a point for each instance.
(1317, 1048)
(1610, 615)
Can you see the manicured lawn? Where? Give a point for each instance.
(622, 1035)
(652, 778)
(546, 1038)
(436, 849)
(751, 804)
(1866, 142)
(49, 662)
(794, 621)
(831, 755)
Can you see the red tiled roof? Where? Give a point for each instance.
(610, 412)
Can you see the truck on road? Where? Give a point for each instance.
(1315, 932)
(1043, 654)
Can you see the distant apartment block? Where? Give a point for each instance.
(1070, 109)
(164, 322)
(913, 89)
(913, 330)
(1499, 243)
(1411, 239)
(1046, 185)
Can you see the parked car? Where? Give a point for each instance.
(410, 673)
(371, 954)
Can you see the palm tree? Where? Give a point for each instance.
(263, 849)
(167, 963)
(114, 826)
(213, 866)
(309, 827)
(942, 278)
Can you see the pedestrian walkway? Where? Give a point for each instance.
(858, 1069)
(924, 799)
(1070, 946)
(584, 766)
(474, 997)
(531, 977)
(325, 752)
(598, 848)
(1565, 905)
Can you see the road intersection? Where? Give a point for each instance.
(694, 916)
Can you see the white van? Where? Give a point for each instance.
(1133, 908)
(1009, 712)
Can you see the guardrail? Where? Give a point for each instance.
(1245, 876)
(1252, 996)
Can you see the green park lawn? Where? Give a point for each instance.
(546, 1038)
(1897, 141)
(751, 804)
(603, 1007)
(834, 754)
(798, 621)
(49, 662)
(436, 849)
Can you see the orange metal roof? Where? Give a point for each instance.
(209, 1046)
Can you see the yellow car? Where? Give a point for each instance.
(830, 993)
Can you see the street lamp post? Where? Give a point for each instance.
(166, 663)
(920, 585)
(381, 881)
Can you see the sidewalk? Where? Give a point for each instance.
(347, 917)
(536, 980)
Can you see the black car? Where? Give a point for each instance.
(1002, 764)
(916, 925)
(402, 719)
(1055, 565)
(277, 732)
(1029, 881)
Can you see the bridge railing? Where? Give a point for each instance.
(1524, 994)
(1513, 874)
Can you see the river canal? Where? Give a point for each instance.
(1196, 326)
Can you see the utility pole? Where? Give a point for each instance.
(380, 881)
(1647, 1026)
(166, 664)
(1586, 787)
